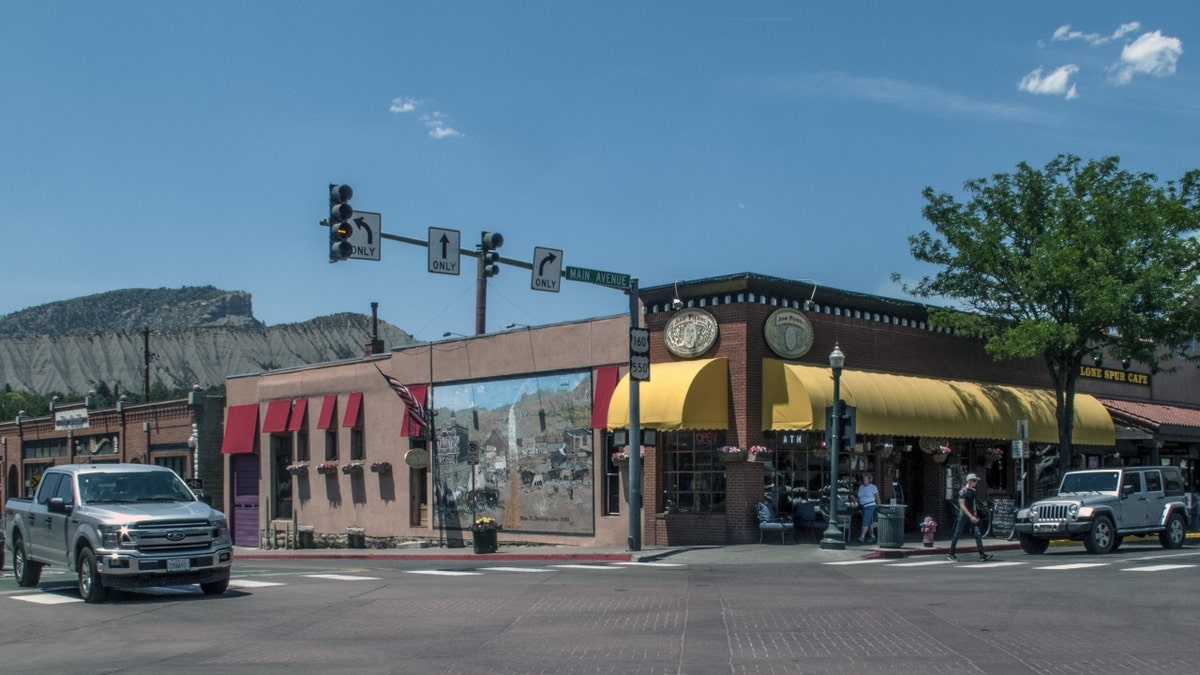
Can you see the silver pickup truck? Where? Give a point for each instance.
(119, 526)
(1103, 506)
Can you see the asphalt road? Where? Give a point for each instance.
(731, 610)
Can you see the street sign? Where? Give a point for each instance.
(598, 277)
(547, 269)
(443, 251)
(1020, 450)
(639, 354)
(365, 235)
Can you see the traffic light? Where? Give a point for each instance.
(340, 213)
(845, 426)
(487, 252)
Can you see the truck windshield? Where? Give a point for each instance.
(117, 488)
(1101, 481)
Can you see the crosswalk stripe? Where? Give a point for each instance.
(921, 563)
(251, 583)
(988, 564)
(867, 561)
(575, 566)
(47, 599)
(516, 569)
(1070, 566)
(637, 563)
(341, 577)
(1156, 568)
(445, 573)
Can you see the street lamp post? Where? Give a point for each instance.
(834, 539)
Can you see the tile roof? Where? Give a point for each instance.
(1153, 415)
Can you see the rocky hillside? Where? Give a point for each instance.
(197, 336)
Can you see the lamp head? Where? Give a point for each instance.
(836, 358)
(677, 304)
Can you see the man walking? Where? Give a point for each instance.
(967, 514)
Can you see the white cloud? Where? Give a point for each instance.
(437, 123)
(403, 105)
(1055, 84)
(439, 126)
(1151, 54)
(1064, 34)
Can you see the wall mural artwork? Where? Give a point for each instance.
(518, 450)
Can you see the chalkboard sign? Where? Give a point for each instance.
(1003, 511)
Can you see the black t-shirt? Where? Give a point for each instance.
(967, 495)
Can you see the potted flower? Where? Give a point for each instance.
(621, 456)
(381, 467)
(327, 468)
(483, 534)
(731, 453)
(760, 453)
(352, 467)
(941, 454)
(298, 468)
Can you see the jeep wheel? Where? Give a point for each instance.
(28, 573)
(1102, 536)
(1175, 534)
(1032, 545)
(91, 586)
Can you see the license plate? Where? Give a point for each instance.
(180, 565)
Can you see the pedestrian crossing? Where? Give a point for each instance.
(1150, 564)
(58, 594)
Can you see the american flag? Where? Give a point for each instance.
(416, 410)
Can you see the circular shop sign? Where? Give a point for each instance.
(788, 333)
(417, 458)
(690, 332)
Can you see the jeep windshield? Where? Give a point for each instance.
(1099, 481)
(131, 488)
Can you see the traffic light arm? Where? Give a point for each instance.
(474, 253)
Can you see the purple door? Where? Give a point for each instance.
(245, 469)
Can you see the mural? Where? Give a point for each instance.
(518, 450)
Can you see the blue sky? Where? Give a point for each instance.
(168, 144)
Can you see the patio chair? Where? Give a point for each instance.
(769, 521)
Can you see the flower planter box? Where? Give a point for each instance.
(298, 471)
(352, 468)
(381, 468)
(484, 540)
(327, 470)
(729, 457)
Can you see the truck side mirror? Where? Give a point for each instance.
(57, 505)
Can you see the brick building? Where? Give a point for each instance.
(526, 423)
(182, 434)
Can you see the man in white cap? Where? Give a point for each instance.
(968, 514)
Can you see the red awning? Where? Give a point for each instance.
(328, 406)
(241, 429)
(276, 421)
(408, 427)
(299, 408)
(353, 405)
(606, 384)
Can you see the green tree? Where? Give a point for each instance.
(1064, 262)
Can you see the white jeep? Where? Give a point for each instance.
(1103, 506)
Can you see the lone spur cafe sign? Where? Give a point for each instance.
(1114, 375)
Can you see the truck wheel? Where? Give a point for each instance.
(215, 587)
(28, 572)
(91, 586)
(1102, 536)
(1175, 534)
(1032, 545)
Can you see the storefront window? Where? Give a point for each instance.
(693, 475)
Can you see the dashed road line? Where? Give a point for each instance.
(1156, 568)
(341, 577)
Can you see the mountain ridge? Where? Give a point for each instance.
(195, 335)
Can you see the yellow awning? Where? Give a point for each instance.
(794, 397)
(679, 395)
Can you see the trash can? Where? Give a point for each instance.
(891, 525)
